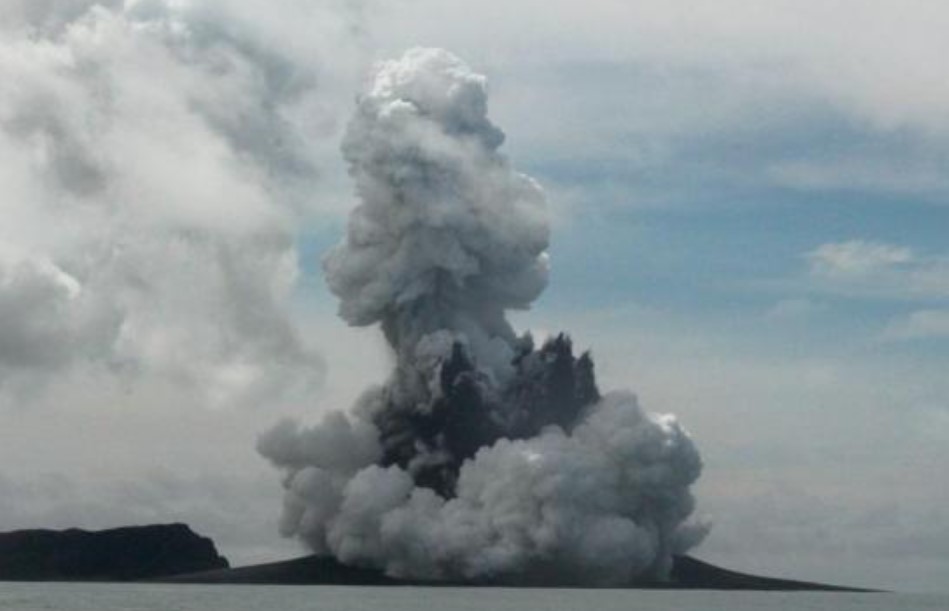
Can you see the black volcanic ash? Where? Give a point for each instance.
(482, 457)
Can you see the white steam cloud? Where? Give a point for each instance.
(481, 458)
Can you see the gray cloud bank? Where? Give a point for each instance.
(154, 159)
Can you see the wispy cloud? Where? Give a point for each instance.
(921, 324)
(793, 310)
(923, 176)
(877, 269)
(857, 258)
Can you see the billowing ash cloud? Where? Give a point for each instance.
(483, 456)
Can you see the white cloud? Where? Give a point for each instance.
(157, 157)
(831, 50)
(921, 324)
(47, 317)
(879, 270)
(857, 258)
(688, 93)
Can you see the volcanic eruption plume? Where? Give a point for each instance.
(483, 457)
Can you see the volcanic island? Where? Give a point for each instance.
(175, 554)
(487, 458)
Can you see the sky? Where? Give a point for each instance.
(749, 213)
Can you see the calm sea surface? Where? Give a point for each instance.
(112, 597)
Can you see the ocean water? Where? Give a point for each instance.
(118, 597)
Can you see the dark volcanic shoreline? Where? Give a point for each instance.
(173, 553)
(687, 574)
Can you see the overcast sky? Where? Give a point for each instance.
(750, 203)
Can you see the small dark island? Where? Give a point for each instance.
(131, 553)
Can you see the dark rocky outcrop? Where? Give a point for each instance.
(119, 554)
